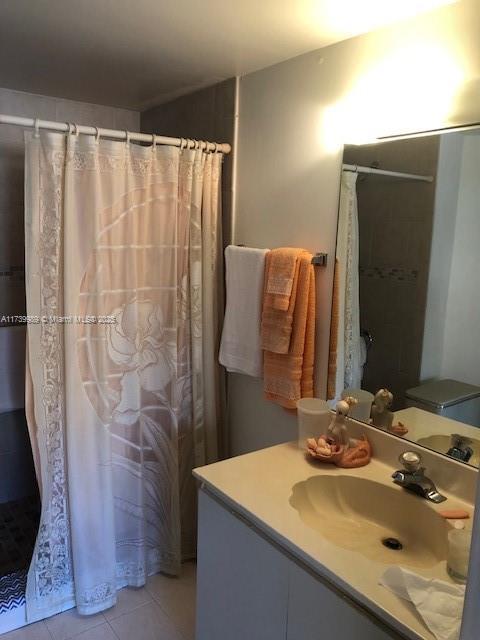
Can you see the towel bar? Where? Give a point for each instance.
(318, 260)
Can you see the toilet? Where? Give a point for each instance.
(450, 398)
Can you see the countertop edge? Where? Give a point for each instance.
(326, 575)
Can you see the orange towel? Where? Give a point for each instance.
(332, 352)
(289, 376)
(280, 290)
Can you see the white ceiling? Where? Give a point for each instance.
(137, 53)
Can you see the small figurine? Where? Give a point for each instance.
(336, 447)
(337, 429)
(382, 417)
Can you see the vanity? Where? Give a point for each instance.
(292, 548)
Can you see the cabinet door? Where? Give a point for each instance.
(242, 581)
(315, 612)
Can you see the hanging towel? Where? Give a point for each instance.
(289, 376)
(240, 349)
(281, 277)
(333, 346)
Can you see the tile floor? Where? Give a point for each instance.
(162, 610)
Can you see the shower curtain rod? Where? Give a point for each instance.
(381, 172)
(112, 133)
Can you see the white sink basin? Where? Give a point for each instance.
(358, 514)
(442, 444)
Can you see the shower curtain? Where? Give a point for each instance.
(350, 359)
(122, 266)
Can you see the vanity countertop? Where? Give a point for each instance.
(259, 485)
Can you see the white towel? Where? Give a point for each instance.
(240, 349)
(438, 602)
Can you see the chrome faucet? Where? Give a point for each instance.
(460, 447)
(412, 477)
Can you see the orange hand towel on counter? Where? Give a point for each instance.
(288, 375)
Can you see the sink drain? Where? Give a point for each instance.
(392, 543)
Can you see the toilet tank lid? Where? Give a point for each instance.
(443, 393)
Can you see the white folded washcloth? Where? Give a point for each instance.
(240, 349)
(439, 603)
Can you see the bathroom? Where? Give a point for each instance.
(263, 105)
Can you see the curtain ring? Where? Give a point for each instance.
(97, 135)
(154, 143)
(76, 133)
(127, 136)
(36, 127)
(182, 140)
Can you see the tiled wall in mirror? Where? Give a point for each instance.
(406, 309)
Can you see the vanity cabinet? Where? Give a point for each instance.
(247, 587)
(242, 581)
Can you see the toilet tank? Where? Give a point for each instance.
(450, 398)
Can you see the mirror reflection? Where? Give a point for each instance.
(405, 335)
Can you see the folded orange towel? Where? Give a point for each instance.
(280, 290)
(289, 376)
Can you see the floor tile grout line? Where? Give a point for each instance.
(177, 628)
(113, 630)
(137, 606)
(47, 629)
(75, 635)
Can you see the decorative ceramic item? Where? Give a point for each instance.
(337, 430)
(382, 417)
(398, 429)
(358, 454)
(324, 450)
(336, 447)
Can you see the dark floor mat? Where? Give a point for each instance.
(18, 530)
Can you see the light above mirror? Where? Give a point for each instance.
(349, 17)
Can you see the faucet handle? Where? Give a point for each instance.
(411, 461)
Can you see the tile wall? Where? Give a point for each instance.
(395, 226)
(207, 114)
(16, 474)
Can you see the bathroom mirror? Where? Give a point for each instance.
(406, 307)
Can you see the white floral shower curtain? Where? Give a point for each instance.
(122, 252)
(350, 359)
